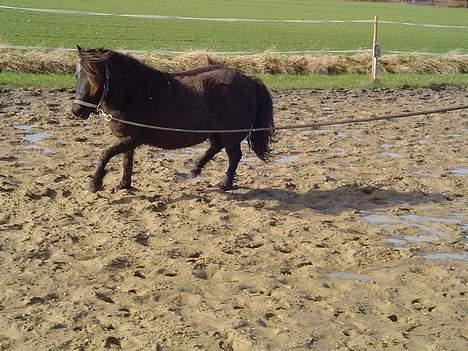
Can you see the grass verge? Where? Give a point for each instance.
(22, 27)
(276, 81)
(362, 81)
(32, 80)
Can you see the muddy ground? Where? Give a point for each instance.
(352, 238)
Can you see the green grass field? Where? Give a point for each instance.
(278, 81)
(19, 27)
(61, 30)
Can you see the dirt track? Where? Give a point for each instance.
(353, 238)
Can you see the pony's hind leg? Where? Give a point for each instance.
(124, 145)
(234, 155)
(215, 147)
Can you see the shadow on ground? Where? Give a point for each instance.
(334, 201)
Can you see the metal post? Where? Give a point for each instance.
(375, 50)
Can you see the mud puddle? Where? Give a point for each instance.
(411, 230)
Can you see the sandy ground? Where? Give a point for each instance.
(352, 238)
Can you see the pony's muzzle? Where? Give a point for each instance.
(82, 112)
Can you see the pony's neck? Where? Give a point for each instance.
(133, 85)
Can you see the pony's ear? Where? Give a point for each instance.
(79, 49)
(107, 54)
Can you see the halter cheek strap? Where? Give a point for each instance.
(105, 91)
(84, 103)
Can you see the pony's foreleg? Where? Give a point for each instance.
(214, 148)
(126, 181)
(234, 155)
(124, 145)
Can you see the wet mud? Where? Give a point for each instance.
(351, 238)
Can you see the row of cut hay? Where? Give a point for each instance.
(63, 62)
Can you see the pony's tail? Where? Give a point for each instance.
(260, 141)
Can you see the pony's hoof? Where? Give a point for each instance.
(195, 172)
(94, 188)
(225, 185)
(121, 187)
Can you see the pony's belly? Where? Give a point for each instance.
(175, 140)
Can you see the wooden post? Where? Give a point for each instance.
(375, 49)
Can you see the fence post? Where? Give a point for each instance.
(375, 49)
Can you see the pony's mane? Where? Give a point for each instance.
(92, 59)
(195, 71)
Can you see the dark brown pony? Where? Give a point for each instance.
(209, 98)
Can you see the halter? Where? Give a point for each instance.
(105, 91)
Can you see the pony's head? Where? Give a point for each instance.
(92, 78)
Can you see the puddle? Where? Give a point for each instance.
(249, 159)
(425, 233)
(338, 150)
(186, 177)
(431, 230)
(392, 154)
(379, 219)
(287, 159)
(395, 242)
(180, 153)
(462, 256)
(409, 239)
(23, 126)
(427, 173)
(409, 220)
(416, 218)
(35, 137)
(36, 148)
(387, 146)
(418, 238)
(348, 276)
(339, 134)
(459, 172)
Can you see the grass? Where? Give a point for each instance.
(361, 81)
(276, 82)
(59, 30)
(262, 9)
(31, 80)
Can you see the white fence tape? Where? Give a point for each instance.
(171, 52)
(427, 25)
(184, 18)
(246, 53)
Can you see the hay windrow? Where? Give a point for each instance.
(63, 62)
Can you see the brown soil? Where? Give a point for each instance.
(352, 238)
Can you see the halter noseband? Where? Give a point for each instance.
(105, 91)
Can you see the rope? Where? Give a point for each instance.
(109, 117)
